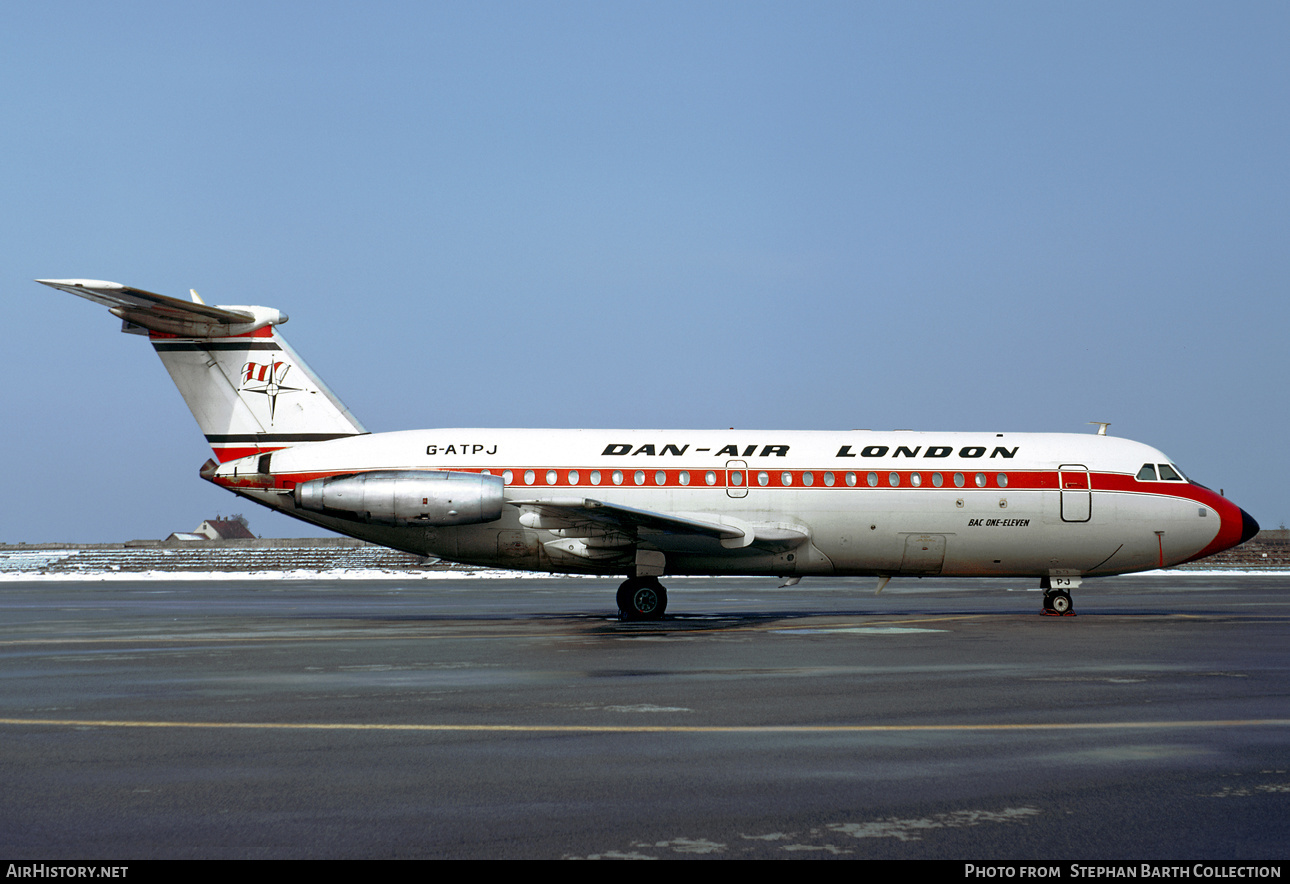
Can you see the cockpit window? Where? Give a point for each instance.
(1147, 473)
(1169, 474)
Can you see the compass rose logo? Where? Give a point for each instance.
(267, 378)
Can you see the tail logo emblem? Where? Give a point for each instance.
(267, 378)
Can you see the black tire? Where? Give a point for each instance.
(625, 590)
(1058, 602)
(641, 598)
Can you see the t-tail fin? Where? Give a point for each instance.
(247, 388)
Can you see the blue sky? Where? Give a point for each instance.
(942, 216)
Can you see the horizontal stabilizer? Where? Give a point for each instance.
(162, 313)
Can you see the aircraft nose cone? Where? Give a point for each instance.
(1249, 527)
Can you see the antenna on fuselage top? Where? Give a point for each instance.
(1101, 426)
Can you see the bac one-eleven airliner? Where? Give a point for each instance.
(649, 503)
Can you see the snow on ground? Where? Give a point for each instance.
(337, 574)
(474, 574)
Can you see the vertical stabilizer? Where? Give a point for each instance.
(253, 394)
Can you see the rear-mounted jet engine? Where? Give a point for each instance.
(406, 497)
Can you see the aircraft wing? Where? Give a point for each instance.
(615, 516)
(616, 525)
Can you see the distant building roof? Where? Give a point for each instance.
(225, 529)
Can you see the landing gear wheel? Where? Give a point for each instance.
(641, 598)
(1057, 603)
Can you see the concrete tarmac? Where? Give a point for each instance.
(518, 718)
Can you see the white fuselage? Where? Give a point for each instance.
(850, 503)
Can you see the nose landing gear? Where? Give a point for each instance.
(1057, 599)
(641, 598)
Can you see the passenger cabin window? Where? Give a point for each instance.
(1147, 473)
(1167, 473)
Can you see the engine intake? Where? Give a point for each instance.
(406, 497)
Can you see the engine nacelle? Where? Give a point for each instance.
(406, 497)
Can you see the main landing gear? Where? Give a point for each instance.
(1057, 600)
(641, 598)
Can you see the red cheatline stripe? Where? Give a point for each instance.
(223, 454)
(266, 332)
